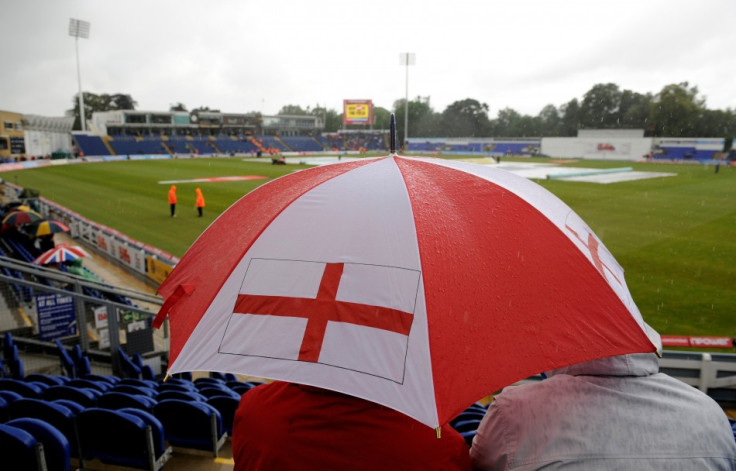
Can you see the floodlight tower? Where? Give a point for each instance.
(79, 29)
(407, 59)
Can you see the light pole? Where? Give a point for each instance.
(407, 59)
(79, 29)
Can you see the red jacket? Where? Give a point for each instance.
(284, 426)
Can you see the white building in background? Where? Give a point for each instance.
(608, 144)
(45, 136)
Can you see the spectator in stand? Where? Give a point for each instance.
(286, 426)
(199, 201)
(172, 200)
(612, 413)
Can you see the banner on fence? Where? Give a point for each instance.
(56, 317)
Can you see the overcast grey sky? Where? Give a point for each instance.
(259, 55)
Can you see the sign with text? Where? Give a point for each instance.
(55, 316)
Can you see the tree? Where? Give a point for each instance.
(179, 106)
(421, 120)
(332, 121)
(676, 110)
(205, 108)
(292, 110)
(381, 118)
(121, 101)
(600, 107)
(550, 121)
(634, 110)
(570, 118)
(466, 118)
(97, 103)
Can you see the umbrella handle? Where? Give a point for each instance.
(392, 133)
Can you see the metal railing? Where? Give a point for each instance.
(118, 306)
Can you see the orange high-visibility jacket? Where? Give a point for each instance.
(200, 198)
(172, 195)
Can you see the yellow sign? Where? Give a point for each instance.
(156, 269)
(357, 111)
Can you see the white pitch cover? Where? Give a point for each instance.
(289, 259)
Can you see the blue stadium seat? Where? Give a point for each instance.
(51, 380)
(32, 390)
(60, 416)
(21, 450)
(84, 396)
(226, 406)
(120, 400)
(192, 425)
(218, 391)
(169, 386)
(131, 389)
(56, 448)
(121, 438)
(67, 363)
(129, 368)
(183, 395)
(101, 386)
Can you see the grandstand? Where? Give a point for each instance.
(486, 146)
(687, 149)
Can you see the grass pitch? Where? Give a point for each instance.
(674, 236)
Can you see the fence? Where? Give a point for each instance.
(98, 316)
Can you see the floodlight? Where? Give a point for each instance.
(79, 29)
(407, 59)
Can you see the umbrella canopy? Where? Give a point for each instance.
(19, 216)
(421, 284)
(61, 253)
(42, 228)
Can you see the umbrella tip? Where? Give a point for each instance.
(392, 134)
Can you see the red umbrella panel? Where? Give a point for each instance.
(61, 253)
(420, 284)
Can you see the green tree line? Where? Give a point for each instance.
(678, 110)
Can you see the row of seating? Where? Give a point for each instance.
(124, 145)
(111, 418)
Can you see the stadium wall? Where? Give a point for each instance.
(608, 148)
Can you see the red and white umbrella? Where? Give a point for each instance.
(421, 284)
(61, 253)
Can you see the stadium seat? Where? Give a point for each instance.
(101, 386)
(84, 396)
(32, 390)
(67, 364)
(56, 448)
(219, 391)
(169, 386)
(51, 380)
(21, 450)
(119, 438)
(119, 400)
(60, 416)
(183, 395)
(141, 383)
(130, 389)
(468, 421)
(108, 379)
(129, 369)
(4, 406)
(191, 425)
(226, 406)
(75, 407)
(9, 396)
